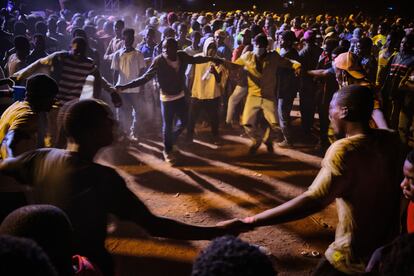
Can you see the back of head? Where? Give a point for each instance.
(41, 27)
(261, 39)
(21, 43)
(19, 256)
(39, 87)
(49, 227)
(230, 256)
(82, 118)
(359, 100)
(399, 260)
(289, 36)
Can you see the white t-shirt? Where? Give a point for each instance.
(129, 66)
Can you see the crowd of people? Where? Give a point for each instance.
(159, 71)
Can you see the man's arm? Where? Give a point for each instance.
(329, 184)
(97, 84)
(127, 205)
(37, 66)
(296, 208)
(319, 73)
(149, 75)
(29, 70)
(198, 59)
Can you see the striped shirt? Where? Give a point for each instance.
(70, 74)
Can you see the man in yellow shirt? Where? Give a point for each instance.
(22, 125)
(261, 67)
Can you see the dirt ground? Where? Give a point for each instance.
(210, 184)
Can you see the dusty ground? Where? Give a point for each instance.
(212, 184)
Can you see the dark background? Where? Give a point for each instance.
(375, 7)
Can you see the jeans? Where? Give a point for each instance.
(307, 104)
(238, 94)
(128, 113)
(284, 107)
(211, 107)
(251, 110)
(172, 128)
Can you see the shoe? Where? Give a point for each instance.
(285, 144)
(254, 147)
(169, 157)
(269, 147)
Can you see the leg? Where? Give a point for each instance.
(307, 105)
(194, 114)
(269, 112)
(136, 106)
(125, 114)
(283, 109)
(251, 109)
(239, 93)
(181, 110)
(212, 108)
(167, 125)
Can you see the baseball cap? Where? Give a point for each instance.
(348, 62)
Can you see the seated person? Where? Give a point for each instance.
(86, 191)
(21, 126)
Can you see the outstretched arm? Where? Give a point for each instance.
(149, 75)
(296, 208)
(127, 205)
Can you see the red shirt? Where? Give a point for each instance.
(410, 217)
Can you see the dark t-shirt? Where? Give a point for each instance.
(86, 191)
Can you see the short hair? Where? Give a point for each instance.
(79, 32)
(82, 116)
(230, 256)
(261, 39)
(194, 33)
(81, 41)
(410, 38)
(365, 42)
(339, 50)
(40, 86)
(168, 41)
(358, 99)
(128, 32)
(49, 227)
(399, 259)
(20, 256)
(289, 36)
(120, 23)
(21, 43)
(41, 27)
(410, 157)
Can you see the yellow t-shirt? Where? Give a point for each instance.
(262, 84)
(361, 173)
(19, 117)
